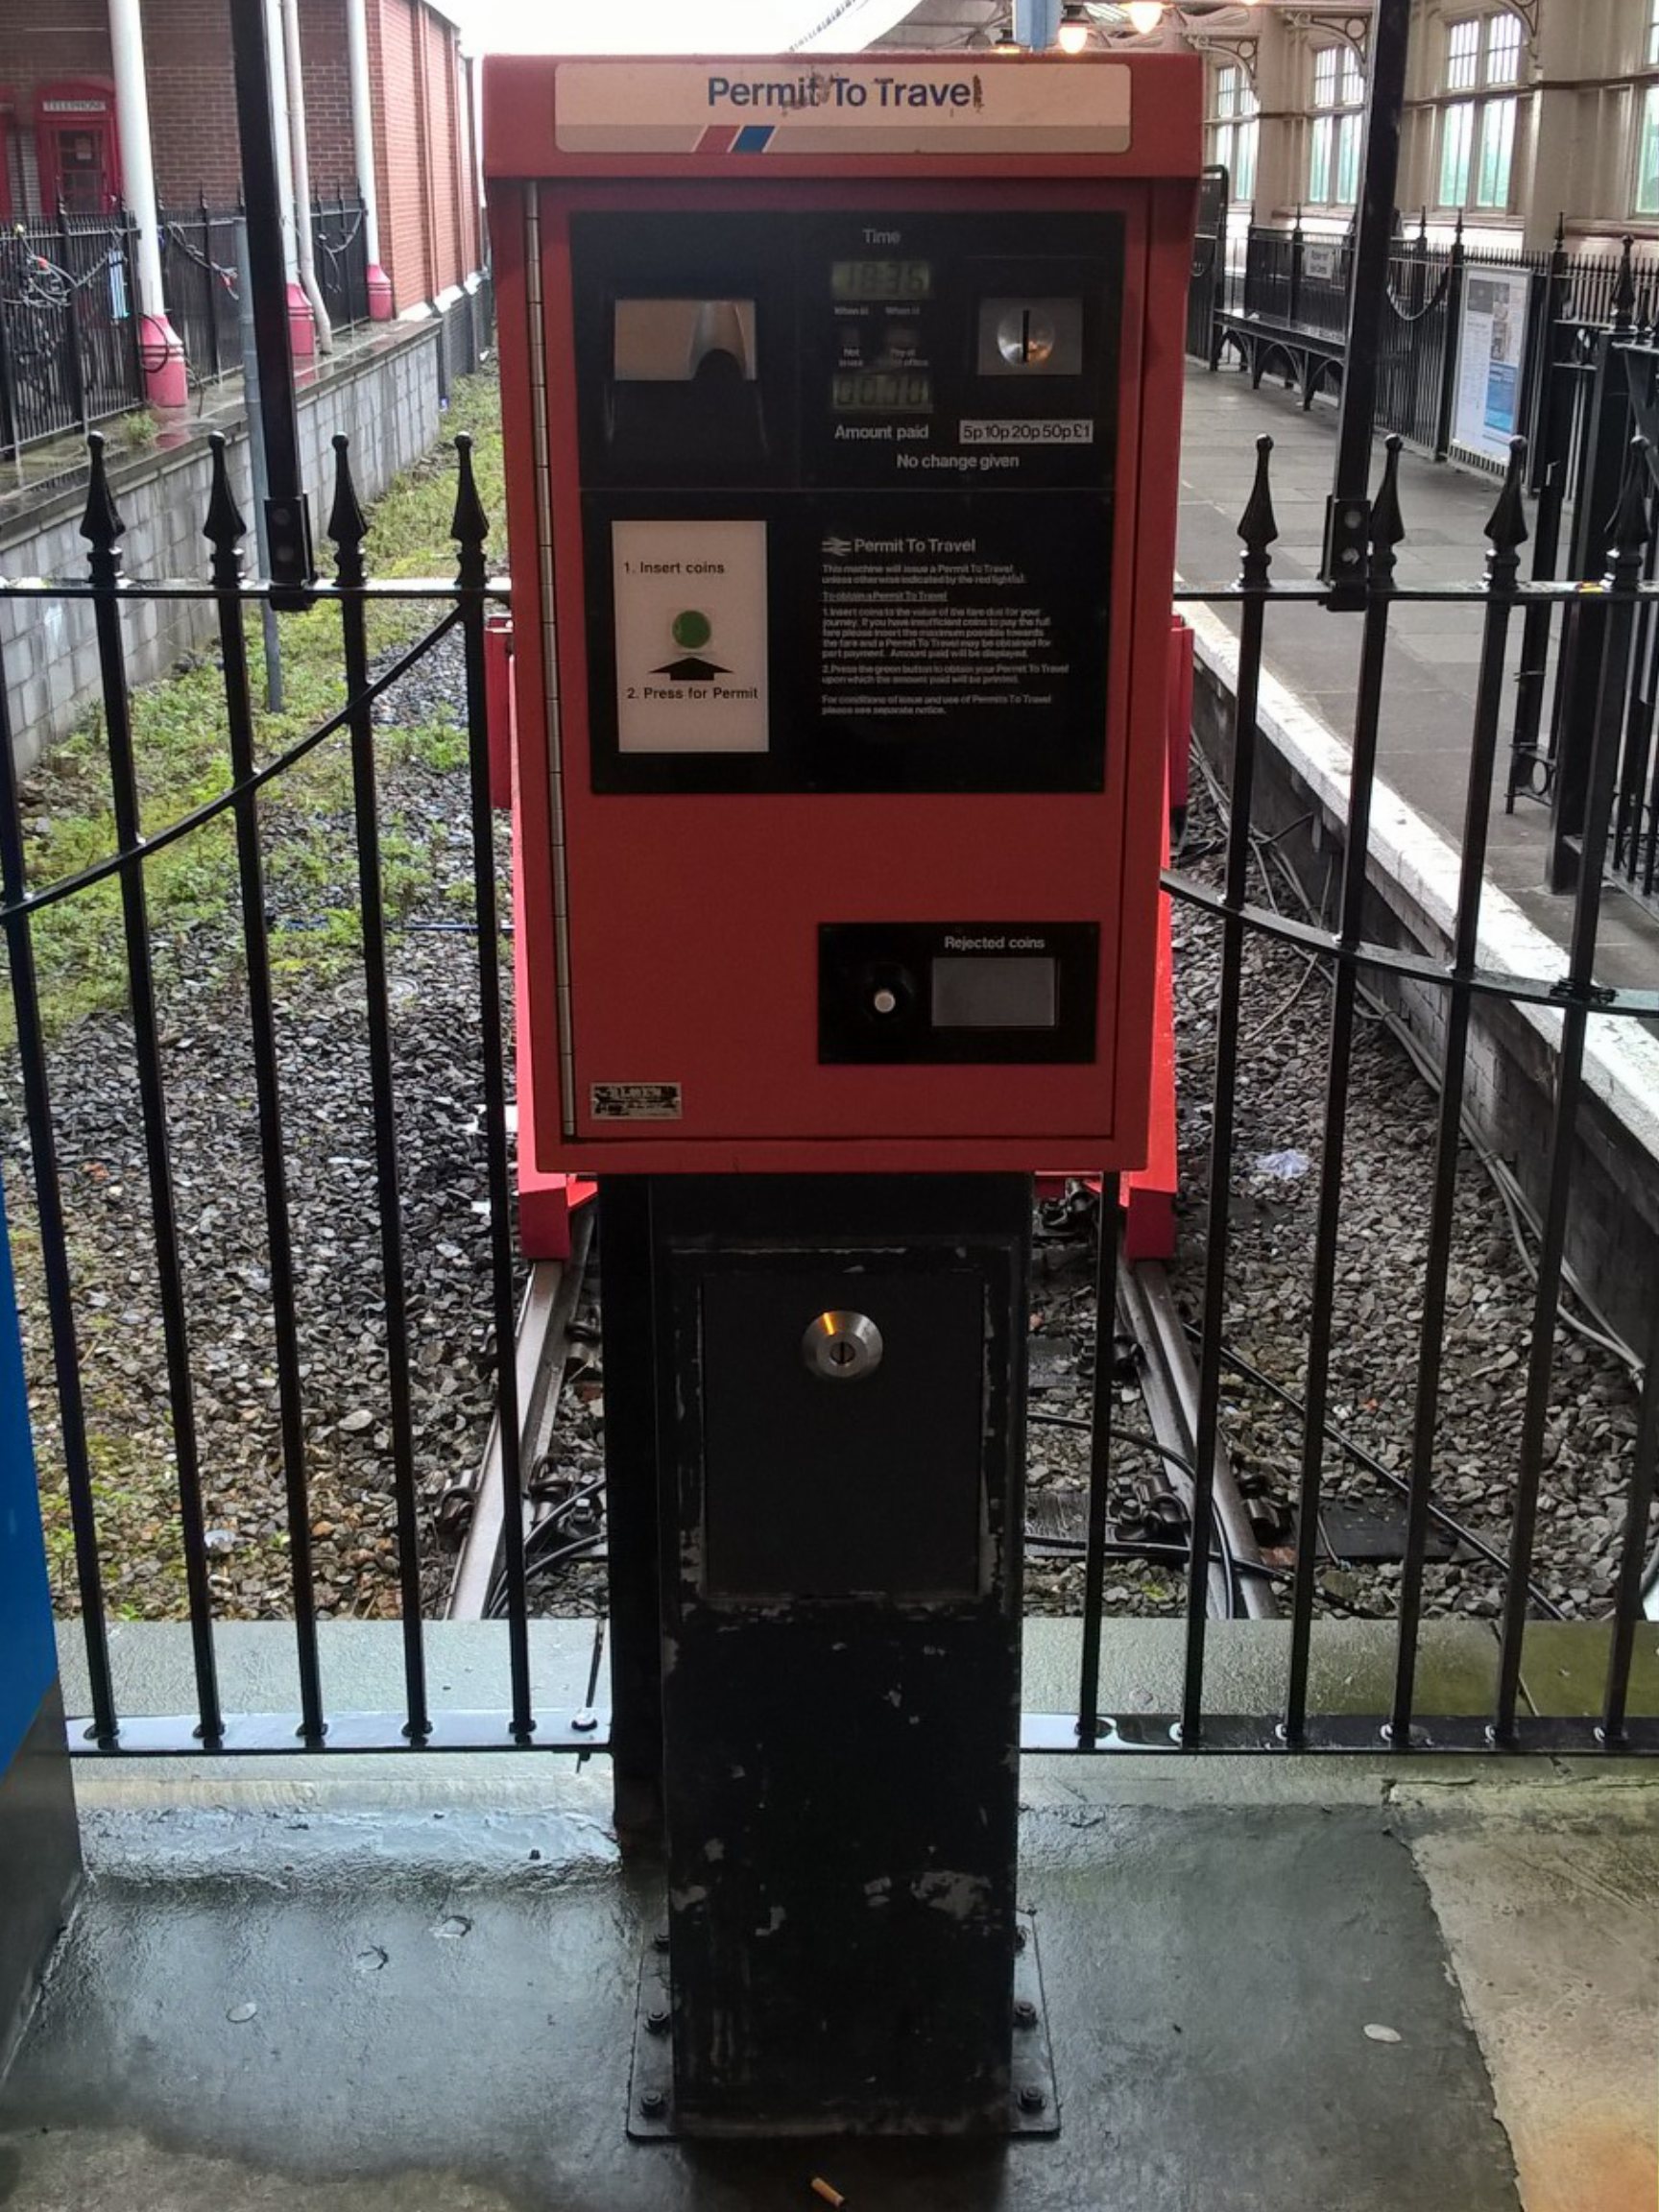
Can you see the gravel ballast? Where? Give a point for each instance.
(433, 983)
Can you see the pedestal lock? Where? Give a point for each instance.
(842, 1347)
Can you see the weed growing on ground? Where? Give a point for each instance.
(181, 749)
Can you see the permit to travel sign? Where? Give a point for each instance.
(901, 106)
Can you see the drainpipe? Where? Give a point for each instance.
(295, 72)
(303, 331)
(160, 350)
(363, 151)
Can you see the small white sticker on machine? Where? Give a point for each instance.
(690, 600)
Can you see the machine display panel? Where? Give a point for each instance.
(881, 280)
(898, 434)
(881, 392)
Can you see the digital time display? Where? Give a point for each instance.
(881, 392)
(881, 280)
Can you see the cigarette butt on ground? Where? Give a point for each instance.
(826, 2190)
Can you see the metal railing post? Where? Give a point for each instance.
(209, 319)
(1347, 524)
(1584, 631)
(1448, 402)
(290, 555)
(74, 366)
(1297, 243)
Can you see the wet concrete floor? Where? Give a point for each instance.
(399, 1989)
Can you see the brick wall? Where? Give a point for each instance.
(193, 98)
(440, 151)
(43, 45)
(424, 162)
(399, 154)
(190, 82)
(327, 95)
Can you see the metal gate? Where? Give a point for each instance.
(1287, 1716)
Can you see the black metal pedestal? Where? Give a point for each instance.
(836, 1372)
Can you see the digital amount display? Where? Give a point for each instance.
(881, 392)
(881, 280)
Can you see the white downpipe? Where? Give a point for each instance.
(362, 122)
(137, 164)
(163, 355)
(273, 48)
(294, 72)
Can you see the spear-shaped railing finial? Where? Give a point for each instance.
(101, 524)
(1507, 525)
(347, 524)
(1387, 523)
(469, 525)
(224, 527)
(1258, 525)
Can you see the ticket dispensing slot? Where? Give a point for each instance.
(683, 381)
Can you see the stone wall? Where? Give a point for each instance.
(385, 398)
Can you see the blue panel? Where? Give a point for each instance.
(1037, 22)
(752, 138)
(28, 1657)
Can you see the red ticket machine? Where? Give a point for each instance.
(842, 402)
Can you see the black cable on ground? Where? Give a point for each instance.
(1375, 1466)
(1228, 1559)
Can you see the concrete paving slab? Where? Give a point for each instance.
(1247, 1667)
(324, 2012)
(362, 1664)
(1564, 1667)
(1554, 1934)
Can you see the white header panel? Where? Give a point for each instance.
(898, 106)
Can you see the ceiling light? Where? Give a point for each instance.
(1073, 31)
(1145, 17)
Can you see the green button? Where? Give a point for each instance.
(691, 629)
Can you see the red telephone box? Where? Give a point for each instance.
(846, 397)
(77, 147)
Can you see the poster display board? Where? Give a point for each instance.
(1491, 356)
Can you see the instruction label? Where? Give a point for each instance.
(924, 628)
(690, 601)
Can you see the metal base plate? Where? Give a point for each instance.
(1033, 2103)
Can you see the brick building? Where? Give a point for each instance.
(107, 102)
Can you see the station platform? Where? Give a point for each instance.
(388, 1985)
(1434, 651)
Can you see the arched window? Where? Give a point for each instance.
(1338, 121)
(1233, 129)
(1644, 199)
(1477, 129)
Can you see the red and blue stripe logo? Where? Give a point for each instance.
(736, 138)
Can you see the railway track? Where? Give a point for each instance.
(1163, 1370)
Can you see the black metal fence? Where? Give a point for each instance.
(341, 246)
(1206, 288)
(1598, 391)
(71, 347)
(1290, 1717)
(198, 274)
(69, 333)
(1284, 308)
